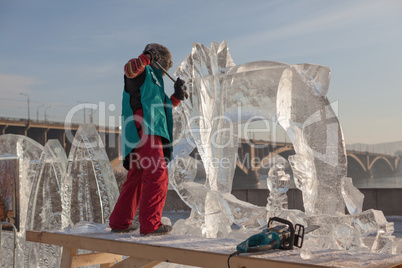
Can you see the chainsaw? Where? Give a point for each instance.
(283, 236)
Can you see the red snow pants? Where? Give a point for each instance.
(146, 186)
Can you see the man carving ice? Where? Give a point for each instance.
(146, 141)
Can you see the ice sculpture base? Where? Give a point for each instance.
(347, 232)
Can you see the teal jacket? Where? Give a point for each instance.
(157, 108)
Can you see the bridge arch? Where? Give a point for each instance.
(356, 168)
(357, 159)
(398, 166)
(378, 158)
(381, 167)
(280, 151)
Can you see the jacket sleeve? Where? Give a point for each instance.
(136, 66)
(175, 101)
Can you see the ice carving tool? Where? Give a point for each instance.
(174, 81)
(284, 236)
(163, 70)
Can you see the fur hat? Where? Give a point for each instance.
(164, 53)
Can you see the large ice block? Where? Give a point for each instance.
(45, 202)
(89, 189)
(374, 222)
(23, 154)
(306, 114)
(45, 210)
(352, 196)
(278, 184)
(222, 95)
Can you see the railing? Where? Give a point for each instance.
(33, 122)
(12, 119)
(15, 239)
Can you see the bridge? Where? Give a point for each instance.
(253, 155)
(42, 131)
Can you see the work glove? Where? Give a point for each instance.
(180, 90)
(153, 53)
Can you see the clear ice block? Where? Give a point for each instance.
(305, 113)
(222, 95)
(89, 189)
(27, 153)
(45, 209)
(352, 196)
(374, 222)
(278, 184)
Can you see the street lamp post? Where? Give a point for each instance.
(84, 110)
(37, 112)
(28, 105)
(46, 110)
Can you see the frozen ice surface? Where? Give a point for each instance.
(222, 95)
(218, 102)
(352, 196)
(278, 184)
(313, 127)
(306, 254)
(374, 222)
(85, 227)
(335, 232)
(28, 153)
(45, 210)
(347, 232)
(89, 189)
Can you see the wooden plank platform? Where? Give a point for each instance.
(132, 250)
(144, 255)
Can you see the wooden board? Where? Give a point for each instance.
(150, 252)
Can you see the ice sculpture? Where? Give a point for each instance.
(352, 196)
(27, 153)
(223, 95)
(45, 202)
(44, 212)
(313, 127)
(89, 189)
(278, 184)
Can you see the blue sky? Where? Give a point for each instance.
(64, 52)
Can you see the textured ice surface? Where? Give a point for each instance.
(45, 209)
(89, 189)
(348, 231)
(278, 184)
(352, 196)
(28, 153)
(374, 221)
(222, 95)
(305, 113)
